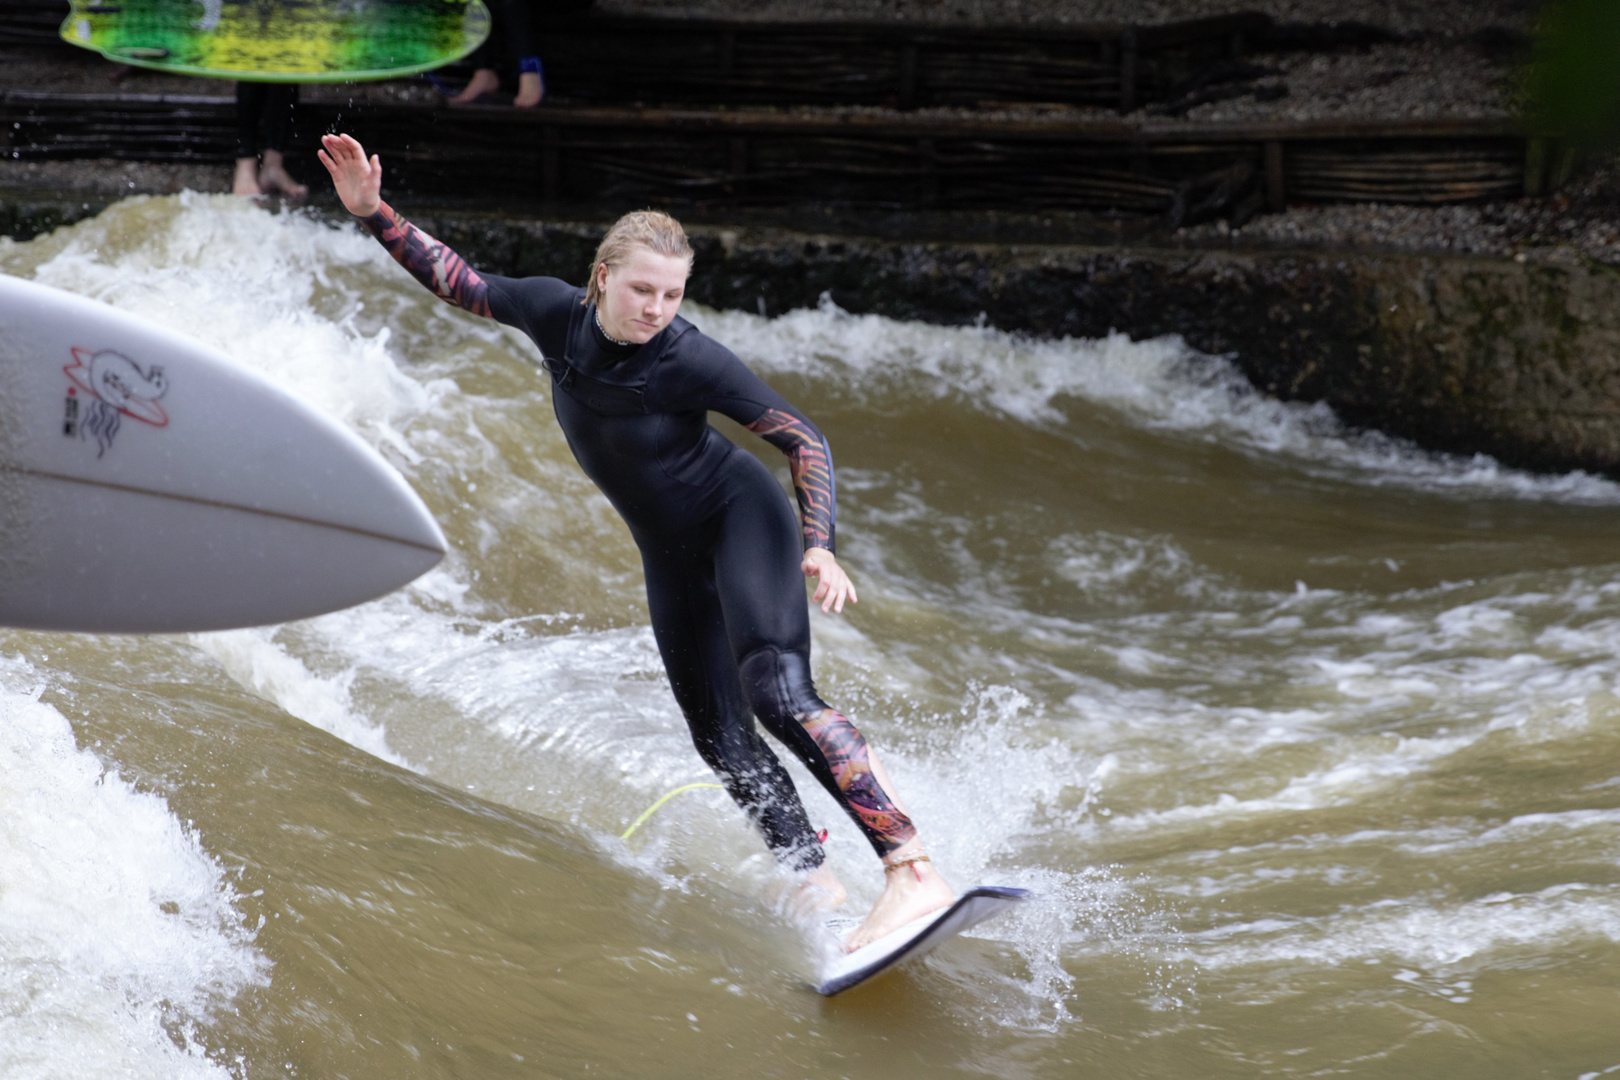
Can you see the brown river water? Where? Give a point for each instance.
(1308, 741)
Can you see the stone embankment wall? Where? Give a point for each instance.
(1517, 359)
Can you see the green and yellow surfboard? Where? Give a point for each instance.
(280, 40)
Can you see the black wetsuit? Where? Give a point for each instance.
(719, 543)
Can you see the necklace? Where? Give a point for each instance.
(597, 314)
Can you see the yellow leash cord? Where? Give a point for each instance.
(653, 809)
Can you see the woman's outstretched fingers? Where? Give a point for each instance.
(358, 181)
(337, 153)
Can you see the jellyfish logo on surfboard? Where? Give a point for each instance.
(117, 387)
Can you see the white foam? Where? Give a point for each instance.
(254, 659)
(118, 935)
(588, 713)
(1434, 937)
(1111, 567)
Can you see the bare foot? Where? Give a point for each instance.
(530, 90)
(819, 892)
(246, 180)
(275, 178)
(804, 897)
(484, 81)
(910, 891)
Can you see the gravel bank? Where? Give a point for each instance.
(1431, 79)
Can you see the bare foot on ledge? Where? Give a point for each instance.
(484, 81)
(246, 179)
(274, 178)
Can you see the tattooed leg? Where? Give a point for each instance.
(912, 887)
(779, 688)
(784, 699)
(847, 754)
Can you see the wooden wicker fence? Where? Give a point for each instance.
(572, 155)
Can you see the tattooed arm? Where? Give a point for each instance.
(810, 462)
(707, 375)
(430, 262)
(358, 181)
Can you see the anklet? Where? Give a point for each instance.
(905, 862)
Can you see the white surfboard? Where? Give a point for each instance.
(149, 484)
(921, 936)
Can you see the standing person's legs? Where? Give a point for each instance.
(514, 30)
(523, 52)
(484, 79)
(274, 103)
(279, 100)
(691, 635)
(249, 104)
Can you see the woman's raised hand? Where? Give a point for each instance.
(358, 181)
(833, 586)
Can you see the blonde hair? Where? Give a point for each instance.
(652, 229)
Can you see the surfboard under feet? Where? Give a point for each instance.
(919, 937)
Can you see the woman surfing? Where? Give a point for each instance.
(723, 557)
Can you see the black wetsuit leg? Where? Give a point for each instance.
(689, 625)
